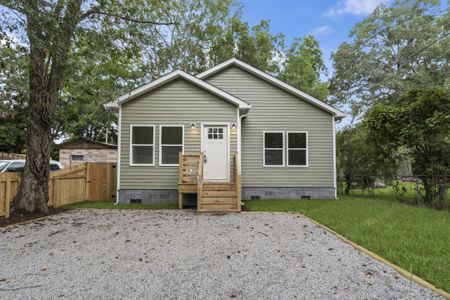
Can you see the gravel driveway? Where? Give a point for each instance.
(169, 254)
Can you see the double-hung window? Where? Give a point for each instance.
(273, 152)
(171, 143)
(297, 149)
(142, 145)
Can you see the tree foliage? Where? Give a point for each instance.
(359, 159)
(395, 49)
(418, 121)
(305, 55)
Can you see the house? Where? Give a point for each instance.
(83, 150)
(230, 133)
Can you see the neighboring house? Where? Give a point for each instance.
(81, 151)
(285, 139)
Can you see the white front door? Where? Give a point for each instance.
(215, 148)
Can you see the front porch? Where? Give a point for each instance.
(212, 196)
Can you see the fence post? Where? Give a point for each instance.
(108, 181)
(87, 183)
(55, 191)
(7, 196)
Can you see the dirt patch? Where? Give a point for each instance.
(15, 219)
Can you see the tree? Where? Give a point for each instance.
(418, 121)
(358, 158)
(395, 49)
(256, 46)
(13, 95)
(52, 27)
(303, 67)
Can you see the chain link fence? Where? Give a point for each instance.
(406, 189)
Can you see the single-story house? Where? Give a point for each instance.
(83, 150)
(232, 132)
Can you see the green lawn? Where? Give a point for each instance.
(411, 237)
(111, 205)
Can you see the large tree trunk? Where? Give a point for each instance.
(48, 55)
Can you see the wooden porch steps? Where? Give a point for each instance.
(218, 196)
(211, 196)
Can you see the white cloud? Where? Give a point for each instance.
(355, 7)
(322, 30)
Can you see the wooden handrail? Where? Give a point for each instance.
(200, 180)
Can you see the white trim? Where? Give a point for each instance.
(287, 149)
(131, 146)
(334, 157)
(160, 144)
(227, 124)
(264, 148)
(238, 132)
(288, 88)
(181, 74)
(119, 159)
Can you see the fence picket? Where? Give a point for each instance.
(66, 186)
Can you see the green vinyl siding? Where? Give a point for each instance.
(178, 102)
(276, 110)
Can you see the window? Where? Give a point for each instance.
(142, 142)
(297, 149)
(16, 166)
(273, 152)
(215, 133)
(170, 144)
(76, 157)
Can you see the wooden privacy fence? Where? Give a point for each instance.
(4, 155)
(82, 182)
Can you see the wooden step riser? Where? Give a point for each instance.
(224, 187)
(225, 201)
(217, 207)
(218, 194)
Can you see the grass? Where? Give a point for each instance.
(111, 205)
(414, 238)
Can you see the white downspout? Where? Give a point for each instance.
(334, 157)
(119, 142)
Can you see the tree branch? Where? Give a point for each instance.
(89, 13)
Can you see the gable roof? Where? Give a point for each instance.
(274, 81)
(172, 76)
(85, 144)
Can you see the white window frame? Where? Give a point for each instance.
(306, 149)
(131, 146)
(178, 145)
(264, 149)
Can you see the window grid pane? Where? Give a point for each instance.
(142, 135)
(142, 155)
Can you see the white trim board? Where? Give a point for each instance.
(181, 74)
(274, 81)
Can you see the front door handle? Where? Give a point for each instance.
(204, 159)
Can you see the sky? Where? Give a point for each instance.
(329, 21)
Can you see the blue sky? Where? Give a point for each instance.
(329, 21)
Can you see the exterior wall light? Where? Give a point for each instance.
(233, 126)
(193, 125)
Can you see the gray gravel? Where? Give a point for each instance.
(104, 254)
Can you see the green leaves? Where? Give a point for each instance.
(304, 66)
(395, 49)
